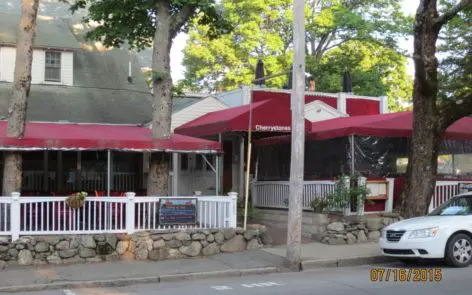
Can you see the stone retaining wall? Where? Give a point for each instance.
(355, 229)
(331, 228)
(139, 246)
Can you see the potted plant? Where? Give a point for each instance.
(319, 205)
(76, 200)
(343, 195)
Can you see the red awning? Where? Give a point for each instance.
(267, 116)
(70, 136)
(383, 125)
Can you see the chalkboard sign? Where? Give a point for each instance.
(177, 211)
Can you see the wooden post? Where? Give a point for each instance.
(248, 168)
(294, 233)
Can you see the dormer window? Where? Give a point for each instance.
(53, 67)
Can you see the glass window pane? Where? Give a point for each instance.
(53, 66)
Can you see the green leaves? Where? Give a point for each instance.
(335, 31)
(375, 70)
(116, 22)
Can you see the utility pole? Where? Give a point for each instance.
(294, 233)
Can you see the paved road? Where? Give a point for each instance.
(355, 280)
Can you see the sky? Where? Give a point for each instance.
(176, 54)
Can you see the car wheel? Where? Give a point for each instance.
(459, 251)
(411, 261)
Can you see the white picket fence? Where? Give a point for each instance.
(275, 194)
(51, 216)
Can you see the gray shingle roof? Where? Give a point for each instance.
(180, 103)
(49, 33)
(100, 93)
(84, 105)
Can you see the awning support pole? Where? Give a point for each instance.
(351, 141)
(219, 165)
(248, 166)
(175, 176)
(217, 176)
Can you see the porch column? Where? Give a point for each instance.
(352, 149)
(219, 162)
(217, 175)
(108, 172)
(241, 166)
(60, 172)
(45, 171)
(78, 178)
(175, 172)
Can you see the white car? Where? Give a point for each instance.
(445, 233)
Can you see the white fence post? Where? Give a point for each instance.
(15, 216)
(130, 212)
(347, 182)
(362, 181)
(233, 209)
(389, 203)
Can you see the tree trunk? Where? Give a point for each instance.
(425, 143)
(158, 177)
(162, 91)
(20, 93)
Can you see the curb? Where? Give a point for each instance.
(327, 263)
(165, 278)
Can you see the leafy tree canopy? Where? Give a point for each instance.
(360, 35)
(455, 55)
(117, 22)
(261, 29)
(375, 70)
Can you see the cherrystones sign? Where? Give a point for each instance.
(177, 211)
(273, 128)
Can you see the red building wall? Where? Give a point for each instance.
(354, 106)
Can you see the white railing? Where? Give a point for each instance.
(212, 212)
(5, 206)
(275, 194)
(52, 216)
(443, 191)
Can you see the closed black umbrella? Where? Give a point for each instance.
(259, 72)
(347, 82)
(290, 80)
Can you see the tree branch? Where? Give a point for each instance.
(180, 19)
(448, 15)
(453, 111)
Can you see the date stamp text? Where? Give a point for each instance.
(405, 274)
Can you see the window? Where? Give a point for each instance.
(455, 206)
(444, 165)
(53, 66)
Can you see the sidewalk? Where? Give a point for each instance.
(128, 272)
(120, 273)
(316, 255)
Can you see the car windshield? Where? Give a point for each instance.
(455, 206)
